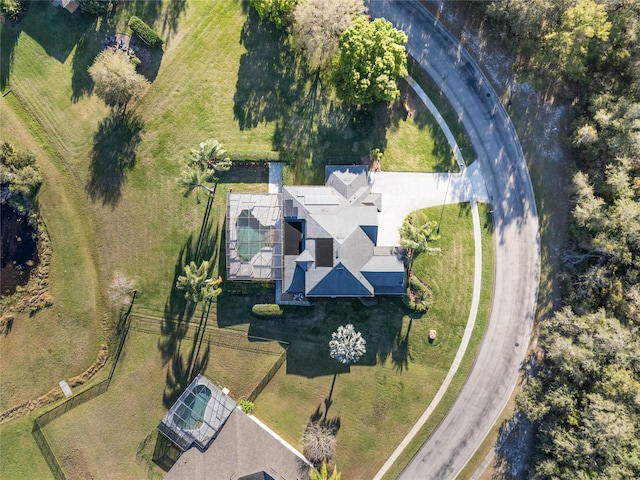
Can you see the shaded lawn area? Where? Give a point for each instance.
(377, 400)
(114, 435)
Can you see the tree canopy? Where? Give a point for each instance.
(277, 11)
(584, 402)
(96, 7)
(317, 25)
(372, 56)
(20, 178)
(116, 80)
(416, 237)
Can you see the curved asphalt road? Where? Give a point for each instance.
(516, 238)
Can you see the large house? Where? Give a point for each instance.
(316, 241)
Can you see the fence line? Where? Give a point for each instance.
(45, 449)
(78, 399)
(268, 376)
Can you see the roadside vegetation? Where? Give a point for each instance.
(586, 53)
(118, 216)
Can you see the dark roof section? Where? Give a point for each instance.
(292, 237)
(324, 252)
(339, 282)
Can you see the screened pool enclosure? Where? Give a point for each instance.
(197, 415)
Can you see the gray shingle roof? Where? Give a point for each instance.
(345, 211)
(243, 448)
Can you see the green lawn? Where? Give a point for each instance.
(112, 204)
(20, 456)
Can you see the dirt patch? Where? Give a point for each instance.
(75, 465)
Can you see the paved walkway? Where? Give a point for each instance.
(275, 177)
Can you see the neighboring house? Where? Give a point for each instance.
(318, 241)
(223, 443)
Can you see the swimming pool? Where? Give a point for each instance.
(250, 241)
(190, 414)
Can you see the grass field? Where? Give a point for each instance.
(111, 204)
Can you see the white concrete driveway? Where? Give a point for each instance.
(404, 192)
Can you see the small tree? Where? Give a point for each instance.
(317, 25)
(247, 406)
(121, 289)
(347, 345)
(116, 80)
(197, 283)
(203, 165)
(276, 11)
(415, 238)
(372, 56)
(318, 442)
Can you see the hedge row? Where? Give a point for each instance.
(145, 32)
(266, 310)
(265, 156)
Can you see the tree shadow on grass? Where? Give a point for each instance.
(8, 40)
(114, 152)
(178, 311)
(268, 81)
(308, 331)
(401, 354)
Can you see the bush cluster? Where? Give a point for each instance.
(145, 32)
(267, 310)
(423, 296)
(262, 156)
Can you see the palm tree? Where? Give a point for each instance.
(318, 442)
(415, 238)
(203, 165)
(193, 178)
(323, 473)
(347, 345)
(210, 156)
(197, 284)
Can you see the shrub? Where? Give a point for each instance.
(11, 8)
(263, 156)
(145, 32)
(267, 310)
(419, 296)
(247, 406)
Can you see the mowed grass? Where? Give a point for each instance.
(59, 341)
(20, 456)
(379, 399)
(474, 343)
